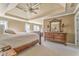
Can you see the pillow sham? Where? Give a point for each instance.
(9, 31)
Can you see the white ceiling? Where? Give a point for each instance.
(3, 7)
(45, 10)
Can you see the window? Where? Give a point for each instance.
(27, 27)
(4, 23)
(36, 28)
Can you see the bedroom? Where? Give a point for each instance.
(33, 29)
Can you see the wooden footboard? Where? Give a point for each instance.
(23, 47)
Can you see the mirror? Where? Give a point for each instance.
(55, 25)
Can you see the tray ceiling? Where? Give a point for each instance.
(22, 11)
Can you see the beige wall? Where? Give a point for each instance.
(69, 27)
(19, 26)
(16, 25)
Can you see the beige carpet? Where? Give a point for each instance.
(50, 49)
(38, 51)
(43, 51)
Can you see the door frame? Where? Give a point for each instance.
(75, 20)
(76, 12)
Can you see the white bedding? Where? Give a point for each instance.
(16, 40)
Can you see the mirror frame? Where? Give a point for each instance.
(56, 20)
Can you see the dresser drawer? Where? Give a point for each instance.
(58, 37)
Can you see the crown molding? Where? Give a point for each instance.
(65, 14)
(76, 9)
(15, 16)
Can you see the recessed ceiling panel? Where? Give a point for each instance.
(35, 10)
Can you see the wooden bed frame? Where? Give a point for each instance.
(26, 46)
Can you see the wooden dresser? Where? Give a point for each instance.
(55, 37)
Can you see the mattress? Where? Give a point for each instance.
(18, 40)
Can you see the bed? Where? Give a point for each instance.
(19, 41)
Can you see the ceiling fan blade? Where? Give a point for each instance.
(21, 8)
(35, 5)
(34, 12)
(35, 8)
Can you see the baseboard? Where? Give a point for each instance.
(72, 44)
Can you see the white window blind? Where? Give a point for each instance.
(27, 27)
(4, 23)
(36, 28)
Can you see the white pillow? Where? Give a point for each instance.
(9, 31)
(2, 28)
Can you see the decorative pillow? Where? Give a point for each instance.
(9, 31)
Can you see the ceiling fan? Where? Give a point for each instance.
(32, 7)
(29, 7)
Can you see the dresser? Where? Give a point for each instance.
(55, 37)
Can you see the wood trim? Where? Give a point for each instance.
(26, 46)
